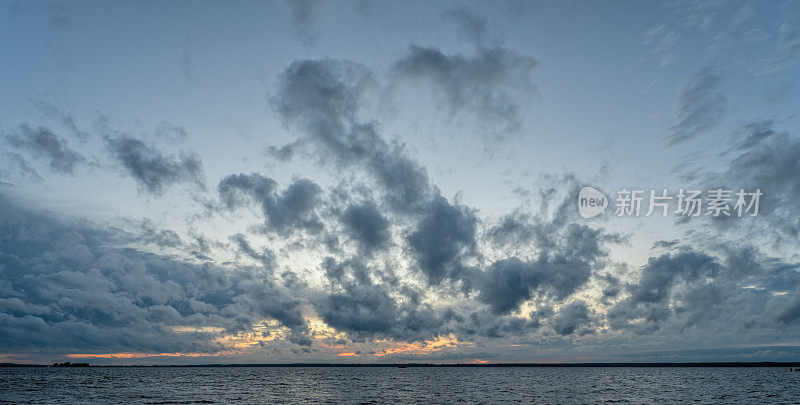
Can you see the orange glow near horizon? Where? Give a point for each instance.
(136, 355)
(428, 346)
(348, 354)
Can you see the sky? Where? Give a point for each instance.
(194, 182)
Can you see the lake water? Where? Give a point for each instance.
(397, 385)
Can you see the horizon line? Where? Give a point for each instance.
(423, 365)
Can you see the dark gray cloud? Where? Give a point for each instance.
(367, 225)
(151, 169)
(571, 317)
(492, 85)
(515, 228)
(360, 310)
(789, 314)
(443, 236)
(564, 264)
(699, 107)
(285, 211)
(323, 99)
(507, 283)
(650, 296)
(661, 273)
(766, 159)
(364, 307)
(71, 288)
(42, 143)
(739, 288)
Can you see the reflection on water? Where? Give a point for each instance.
(393, 385)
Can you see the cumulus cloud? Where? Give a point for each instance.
(285, 211)
(444, 235)
(362, 305)
(152, 169)
(571, 317)
(323, 99)
(367, 225)
(564, 264)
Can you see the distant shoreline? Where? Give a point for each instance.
(424, 365)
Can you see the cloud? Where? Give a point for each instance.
(444, 235)
(789, 314)
(564, 264)
(553, 258)
(293, 208)
(788, 44)
(188, 67)
(73, 288)
(323, 99)
(471, 27)
(738, 288)
(754, 133)
(507, 283)
(303, 16)
(68, 120)
(767, 160)
(699, 107)
(570, 317)
(42, 143)
(266, 257)
(665, 43)
(367, 225)
(649, 298)
(360, 310)
(15, 163)
(492, 85)
(513, 229)
(160, 237)
(365, 308)
(660, 274)
(151, 169)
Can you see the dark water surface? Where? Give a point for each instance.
(398, 385)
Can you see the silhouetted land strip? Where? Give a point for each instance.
(407, 365)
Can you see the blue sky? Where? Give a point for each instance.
(294, 180)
